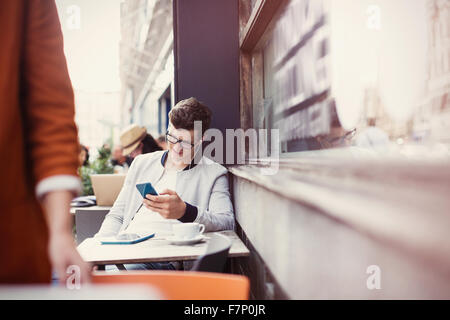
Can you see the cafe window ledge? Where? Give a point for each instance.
(402, 203)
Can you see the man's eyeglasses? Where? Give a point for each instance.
(339, 141)
(175, 140)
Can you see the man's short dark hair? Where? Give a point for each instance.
(185, 112)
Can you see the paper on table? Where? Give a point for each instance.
(125, 238)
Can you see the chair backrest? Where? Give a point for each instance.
(183, 285)
(216, 255)
(88, 222)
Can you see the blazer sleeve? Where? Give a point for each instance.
(219, 215)
(47, 95)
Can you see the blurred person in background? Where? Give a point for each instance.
(162, 142)
(120, 162)
(135, 141)
(372, 136)
(83, 156)
(39, 135)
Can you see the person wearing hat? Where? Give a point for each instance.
(135, 141)
(190, 186)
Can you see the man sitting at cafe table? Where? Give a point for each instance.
(189, 190)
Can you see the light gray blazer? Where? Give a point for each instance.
(204, 186)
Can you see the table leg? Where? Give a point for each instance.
(229, 265)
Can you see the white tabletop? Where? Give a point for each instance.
(153, 250)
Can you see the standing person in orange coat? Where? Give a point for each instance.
(38, 146)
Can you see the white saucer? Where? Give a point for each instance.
(178, 241)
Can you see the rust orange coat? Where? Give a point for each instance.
(38, 135)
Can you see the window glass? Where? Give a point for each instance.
(369, 74)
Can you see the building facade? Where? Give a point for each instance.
(146, 63)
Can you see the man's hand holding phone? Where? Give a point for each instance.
(168, 204)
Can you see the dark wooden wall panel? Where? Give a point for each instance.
(206, 49)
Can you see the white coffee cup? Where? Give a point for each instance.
(188, 230)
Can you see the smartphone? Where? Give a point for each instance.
(146, 188)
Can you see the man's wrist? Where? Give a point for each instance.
(190, 214)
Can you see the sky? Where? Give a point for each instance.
(91, 32)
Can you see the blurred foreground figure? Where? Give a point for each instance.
(38, 144)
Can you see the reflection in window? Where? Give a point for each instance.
(360, 73)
